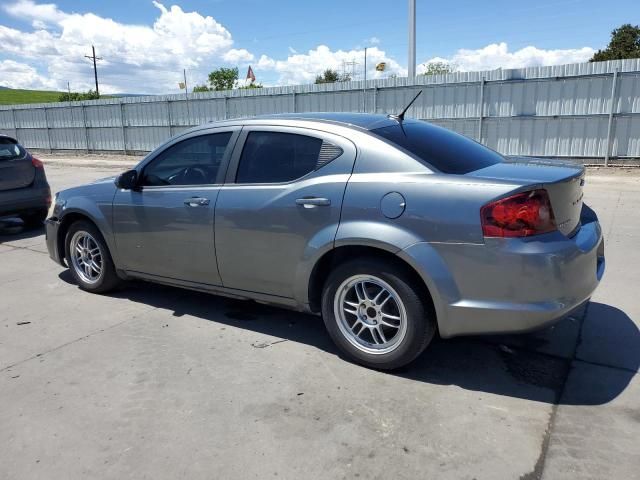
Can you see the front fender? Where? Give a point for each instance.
(99, 212)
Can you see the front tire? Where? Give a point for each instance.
(89, 259)
(375, 314)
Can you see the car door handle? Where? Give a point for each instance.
(196, 202)
(310, 202)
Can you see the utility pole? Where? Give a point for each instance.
(364, 87)
(186, 94)
(95, 68)
(412, 40)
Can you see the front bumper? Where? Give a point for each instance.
(52, 226)
(516, 285)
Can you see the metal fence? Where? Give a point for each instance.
(589, 111)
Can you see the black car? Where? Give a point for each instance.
(24, 190)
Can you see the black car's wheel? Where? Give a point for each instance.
(34, 219)
(374, 314)
(89, 259)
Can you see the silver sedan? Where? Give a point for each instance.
(393, 230)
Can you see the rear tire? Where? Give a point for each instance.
(89, 259)
(375, 314)
(35, 219)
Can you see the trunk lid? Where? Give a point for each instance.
(563, 181)
(16, 169)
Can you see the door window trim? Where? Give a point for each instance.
(234, 163)
(224, 162)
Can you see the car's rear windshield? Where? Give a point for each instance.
(10, 150)
(443, 149)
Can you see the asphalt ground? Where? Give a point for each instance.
(163, 383)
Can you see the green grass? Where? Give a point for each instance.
(13, 97)
(9, 96)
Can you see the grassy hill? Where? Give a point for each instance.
(12, 97)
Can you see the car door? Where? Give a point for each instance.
(283, 194)
(165, 227)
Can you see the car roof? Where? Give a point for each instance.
(365, 121)
(7, 137)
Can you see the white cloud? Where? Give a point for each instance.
(137, 58)
(302, 68)
(497, 55)
(19, 75)
(237, 56)
(40, 14)
(373, 41)
(292, 50)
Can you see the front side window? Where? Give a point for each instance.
(276, 157)
(194, 161)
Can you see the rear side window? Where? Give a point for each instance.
(275, 157)
(445, 150)
(10, 150)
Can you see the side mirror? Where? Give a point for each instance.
(127, 180)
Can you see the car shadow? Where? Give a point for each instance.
(479, 364)
(12, 229)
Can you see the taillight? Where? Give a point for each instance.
(521, 215)
(37, 163)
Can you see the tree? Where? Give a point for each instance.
(201, 88)
(78, 96)
(438, 68)
(223, 78)
(625, 43)
(332, 76)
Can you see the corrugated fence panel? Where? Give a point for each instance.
(547, 111)
(105, 139)
(34, 138)
(103, 116)
(629, 94)
(6, 121)
(146, 114)
(31, 118)
(143, 139)
(61, 117)
(67, 138)
(626, 141)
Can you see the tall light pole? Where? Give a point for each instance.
(412, 39)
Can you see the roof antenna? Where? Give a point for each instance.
(400, 117)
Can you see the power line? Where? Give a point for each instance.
(95, 68)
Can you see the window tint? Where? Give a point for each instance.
(274, 157)
(195, 161)
(445, 150)
(10, 150)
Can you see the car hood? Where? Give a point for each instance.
(101, 189)
(105, 180)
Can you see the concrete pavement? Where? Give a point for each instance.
(157, 382)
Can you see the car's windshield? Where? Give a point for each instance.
(443, 149)
(10, 150)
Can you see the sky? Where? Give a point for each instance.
(146, 44)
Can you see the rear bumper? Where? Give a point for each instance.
(24, 200)
(51, 234)
(517, 285)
